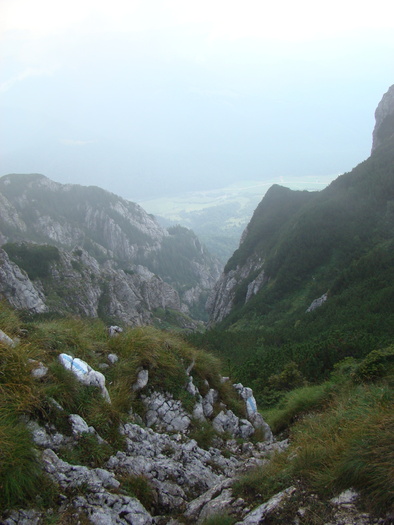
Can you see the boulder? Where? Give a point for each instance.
(85, 373)
(142, 380)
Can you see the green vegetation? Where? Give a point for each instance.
(33, 258)
(342, 438)
(20, 473)
(204, 434)
(88, 451)
(325, 377)
(219, 519)
(138, 487)
(297, 402)
(338, 242)
(23, 397)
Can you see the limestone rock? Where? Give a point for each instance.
(111, 253)
(317, 303)
(195, 507)
(39, 369)
(208, 402)
(17, 289)
(251, 408)
(105, 508)
(384, 117)
(165, 413)
(85, 373)
(72, 476)
(221, 299)
(142, 380)
(263, 511)
(79, 425)
(114, 331)
(226, 421)
(5, 339)
(24, 517)
(47, 437)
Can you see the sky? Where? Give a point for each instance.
(150, 98)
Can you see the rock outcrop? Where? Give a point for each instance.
(384, 117)
(221, 300)
(77, 283)
(16, 287)
(112, 252)
(182, 479)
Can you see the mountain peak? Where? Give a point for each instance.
(384, 119)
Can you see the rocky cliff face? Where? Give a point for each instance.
(384, 117)
(221, 301)
(17, 288)
(114, 258)
(77, 283)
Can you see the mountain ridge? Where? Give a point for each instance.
(104, 239)
(290, 228)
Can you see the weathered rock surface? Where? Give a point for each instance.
(259, 514)
(17, 289)
(317, 303)
(5, 339)
(114, 258)
(165, 413)
(85, 373)
(221, 299)
(251, 409)
(97, 503)
(384, 119)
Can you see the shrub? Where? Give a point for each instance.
(204, 433)
(288, 379)
(35, 259)
(376, 364)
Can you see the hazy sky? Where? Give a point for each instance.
(159, 97)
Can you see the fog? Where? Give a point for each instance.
(155, 98)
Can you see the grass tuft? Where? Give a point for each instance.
(138, 486)
(297, 403)
(347, 444)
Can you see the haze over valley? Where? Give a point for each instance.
(196, 262)
(152, 99)
(219, 216)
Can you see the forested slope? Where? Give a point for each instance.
(337, 245)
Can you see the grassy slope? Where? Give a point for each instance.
(165, 355)
(341, 437)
